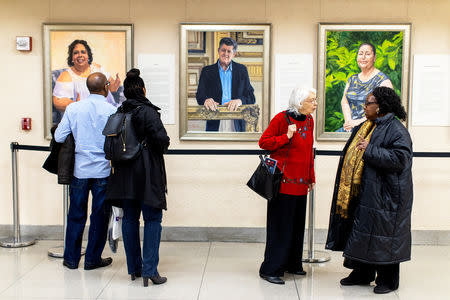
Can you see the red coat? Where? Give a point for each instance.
(299, 168)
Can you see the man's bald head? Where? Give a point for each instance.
(96, 83)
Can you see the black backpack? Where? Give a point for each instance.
(121, 143)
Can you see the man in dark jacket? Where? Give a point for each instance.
(225, 83)
(85, 120)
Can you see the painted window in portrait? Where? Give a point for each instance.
(353, 60)
(224, 81)
(71, 53)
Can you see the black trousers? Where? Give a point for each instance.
(387, 275)
(284, 235)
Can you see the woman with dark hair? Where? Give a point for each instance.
(140, 185)
(71, 83)
(370, 217)
(360, 85)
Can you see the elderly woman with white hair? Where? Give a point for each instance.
(289, 138)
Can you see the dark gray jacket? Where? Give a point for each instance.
(61, 158)
(379, 230)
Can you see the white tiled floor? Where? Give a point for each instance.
(209, 271)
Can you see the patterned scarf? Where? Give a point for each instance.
(352, 168)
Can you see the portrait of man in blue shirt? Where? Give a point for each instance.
(86, 119)
(225, 83)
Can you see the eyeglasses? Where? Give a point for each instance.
(107, 83)
(368, 103)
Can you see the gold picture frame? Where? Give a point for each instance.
(338, 45)
(255, 55)
(111, 51)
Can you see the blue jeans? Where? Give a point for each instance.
(147, 263)
(76, 220)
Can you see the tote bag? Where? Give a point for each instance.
(263, 181)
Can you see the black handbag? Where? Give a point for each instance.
(263, 182)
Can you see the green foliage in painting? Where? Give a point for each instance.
(342, 48)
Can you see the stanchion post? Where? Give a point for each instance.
(15, 194)
(58, 252)
(311, 225)
(313, 256)
(65, 209)
(17, 240)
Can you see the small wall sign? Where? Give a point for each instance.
(23, 43)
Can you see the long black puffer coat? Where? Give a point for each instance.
(379, 229)
(142, 180)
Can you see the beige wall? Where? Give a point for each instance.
(206, 190)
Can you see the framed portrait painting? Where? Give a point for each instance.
(74, 51)
(353, 59)
(237, 82)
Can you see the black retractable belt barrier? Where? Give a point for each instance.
(311, 255)
(17, 240)
(16, 146)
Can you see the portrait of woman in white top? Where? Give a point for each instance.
(70, 85)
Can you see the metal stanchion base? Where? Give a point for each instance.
(11, 242)
(58, 252)
(318, 257)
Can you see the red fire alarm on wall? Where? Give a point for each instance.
(26, 123)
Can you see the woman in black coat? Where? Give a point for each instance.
(140, 184)
(370, 217)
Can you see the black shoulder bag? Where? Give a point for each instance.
(263, 182)
(121, 142)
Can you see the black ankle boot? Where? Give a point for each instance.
(157, 279)
(348, 281)
(135, 275)
(383, 289)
